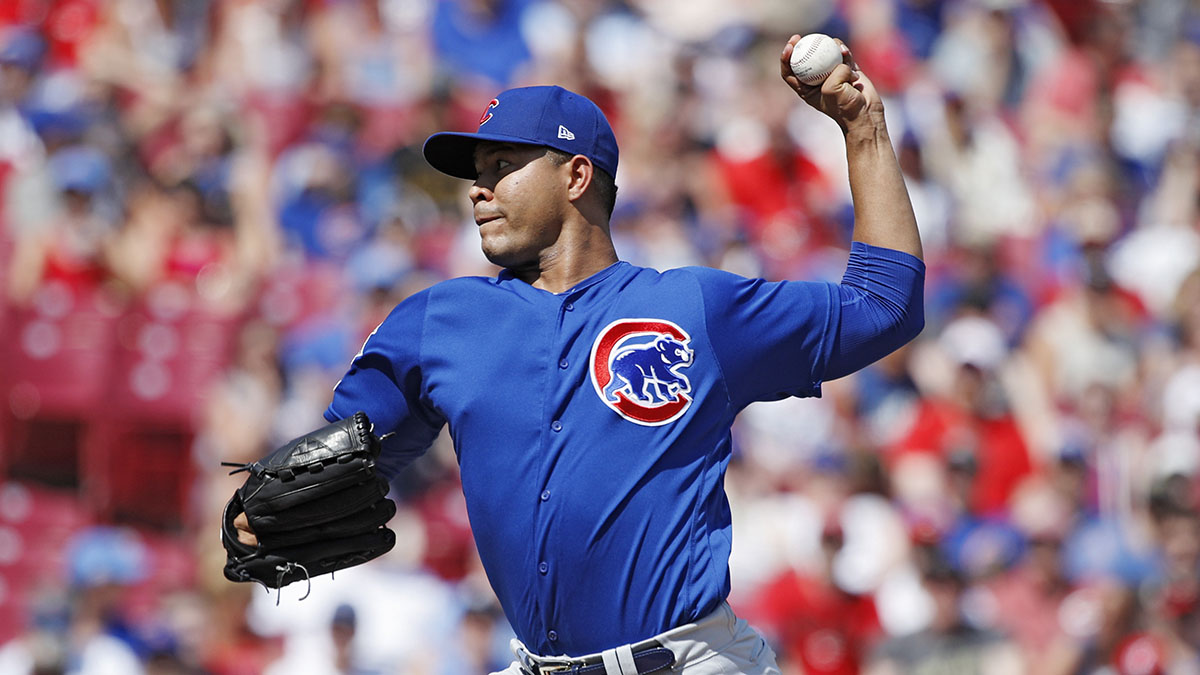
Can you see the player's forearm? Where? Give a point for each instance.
(883, 214)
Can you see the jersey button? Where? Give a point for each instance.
(569, 306)
(543, 567)
(545, 495)
(556, 425)
(553, 635)
(563, 363)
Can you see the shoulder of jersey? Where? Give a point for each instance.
(696, 274)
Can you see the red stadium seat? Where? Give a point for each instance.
(142, 471)
(55, 364)
(57, 361)
(167, 356)
(107, 400)
(6, 250)
(163, 369)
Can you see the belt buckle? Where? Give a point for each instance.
(539, 666)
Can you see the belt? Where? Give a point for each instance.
(651, 657)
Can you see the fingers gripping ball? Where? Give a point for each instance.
(316, 505)
(814, 57)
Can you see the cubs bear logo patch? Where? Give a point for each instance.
(635, 368)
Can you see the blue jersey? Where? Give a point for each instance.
(592, 428)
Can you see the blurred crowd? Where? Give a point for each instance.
(1014, 492)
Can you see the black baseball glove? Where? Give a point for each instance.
(316, 505)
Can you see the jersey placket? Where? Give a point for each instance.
(562, 371)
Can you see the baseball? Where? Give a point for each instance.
(814, 57)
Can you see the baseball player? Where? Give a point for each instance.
(590, 400)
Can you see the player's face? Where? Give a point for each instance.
(519, 200)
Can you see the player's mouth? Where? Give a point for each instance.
(480, 221)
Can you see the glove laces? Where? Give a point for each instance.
(240, 466)
(286, 569)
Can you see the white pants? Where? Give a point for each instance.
(718, 644)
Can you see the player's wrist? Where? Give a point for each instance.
(866, 130)
(867, 119)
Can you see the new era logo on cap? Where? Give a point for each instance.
(549, 116)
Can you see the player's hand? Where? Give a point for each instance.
(847, 95)
(244, 534)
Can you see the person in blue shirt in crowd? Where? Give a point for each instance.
(590, 401)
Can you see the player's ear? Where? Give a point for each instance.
(579, 177)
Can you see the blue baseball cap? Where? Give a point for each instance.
(80, 168)
(549, 116)
(23, 48)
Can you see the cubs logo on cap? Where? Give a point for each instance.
(546, 115)
(636, 367)
(487, 112)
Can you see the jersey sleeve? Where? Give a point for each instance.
(784, 338)
(882, 307)
(385, 381)
(771, 338)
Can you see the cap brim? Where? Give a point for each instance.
(453, 153)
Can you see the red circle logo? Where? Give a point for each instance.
(635, 368)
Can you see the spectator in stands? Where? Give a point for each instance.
(952, 643)
(71, 248)
(970, 426)
(816, 626)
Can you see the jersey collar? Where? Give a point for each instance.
(506, 276)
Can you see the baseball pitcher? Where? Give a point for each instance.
(589, 400)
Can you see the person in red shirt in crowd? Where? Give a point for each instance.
(818, 627)
(71, 247)
(970, 426)
(781, 195)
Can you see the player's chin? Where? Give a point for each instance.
(495, 235)
(497, 250)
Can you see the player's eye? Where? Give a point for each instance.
(503, 164)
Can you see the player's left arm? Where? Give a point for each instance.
(883, 214)
(882, 292)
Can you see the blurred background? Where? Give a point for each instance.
(206, 206)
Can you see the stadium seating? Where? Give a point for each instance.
(104, 397)
(165, 358)
(55, 365)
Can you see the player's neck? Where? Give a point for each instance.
(572, 259)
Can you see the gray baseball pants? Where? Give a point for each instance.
(718, 644)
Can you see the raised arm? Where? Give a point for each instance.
(881, 297)
(883, 214)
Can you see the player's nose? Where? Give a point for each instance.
(479, 193)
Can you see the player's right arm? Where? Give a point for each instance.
(883, 214)
(385, 382)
